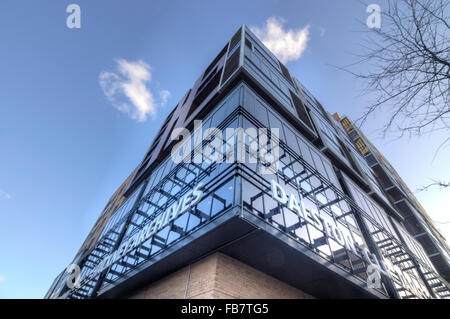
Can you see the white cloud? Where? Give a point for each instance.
(288, 44)
(2, 278)
(4, 195)
(127, 89)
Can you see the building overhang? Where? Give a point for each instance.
(251, 240)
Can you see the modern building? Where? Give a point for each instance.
(269, 196)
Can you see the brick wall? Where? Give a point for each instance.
(219, 276)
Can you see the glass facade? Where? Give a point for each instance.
(345, 224)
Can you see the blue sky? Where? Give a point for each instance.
(66, 146)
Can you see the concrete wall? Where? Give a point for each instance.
(218, 276)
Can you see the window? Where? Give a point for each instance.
(361, 146)
(346, 124)
(231, 65)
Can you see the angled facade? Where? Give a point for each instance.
(251, 189)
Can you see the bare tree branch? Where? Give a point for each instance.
(407, 70)
(435, 183)
(408, 67)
